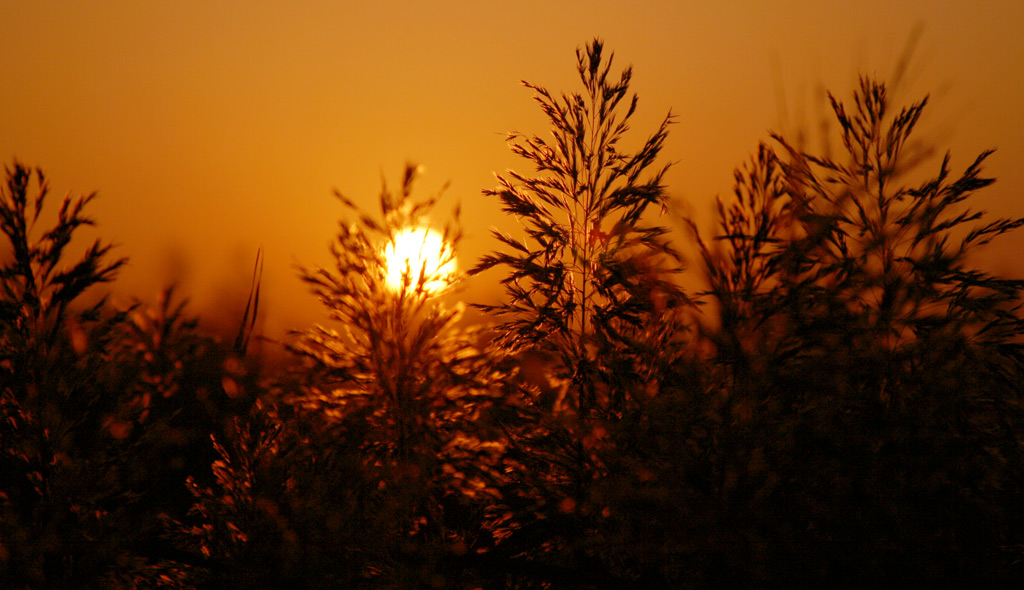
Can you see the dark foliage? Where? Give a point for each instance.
(840, 406)
(872, 376)
(374, 464)
(102, 412)
(588, 288)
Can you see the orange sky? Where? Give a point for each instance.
(211, 128)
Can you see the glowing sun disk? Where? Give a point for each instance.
(415, 250)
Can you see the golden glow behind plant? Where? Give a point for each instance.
(418, 256)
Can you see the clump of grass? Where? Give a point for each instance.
(103, 412)
(587, 283)
(866, 362)
(38, 284)
(595, 320)
(849, 409)
(401, 361)
(403, 383)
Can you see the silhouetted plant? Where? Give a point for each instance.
(870, 367)
(401, 357)
(849, 409)
(54, 497)
(252, 307)
(933, 344)
(586, 285)
(911, 272)
(104, 412)
(38, 285)
(286, 506)
(597, 324)
(419, 386)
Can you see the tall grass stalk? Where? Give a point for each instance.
(583, 285)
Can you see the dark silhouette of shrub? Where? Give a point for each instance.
(840, 406)
(871, 377)
(103, 412)
(587, 287)
(375, 462)
(598, 325)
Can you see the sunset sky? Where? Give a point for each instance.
(212, 128)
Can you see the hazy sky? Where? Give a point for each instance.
(212, 128)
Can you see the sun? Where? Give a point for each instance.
(418, 250)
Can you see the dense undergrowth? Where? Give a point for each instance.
(840, 405)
